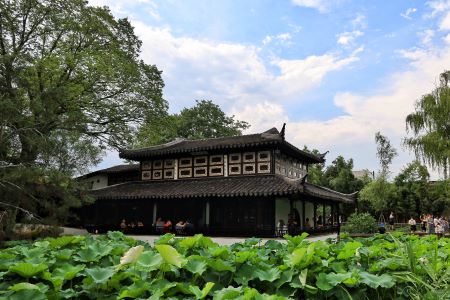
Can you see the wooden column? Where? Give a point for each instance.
(155, 209)
(175, 169)
(315, 216)
(332, 214)
(225, 165)
(303, 214)
(323, 213)
(207, 214)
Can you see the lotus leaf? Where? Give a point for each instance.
(170, 255)
(28, 270)
(195, 266)
(100, 275)
(150, 260)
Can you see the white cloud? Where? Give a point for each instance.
(231, 74)
(447, 38)
(445, 22)
(352, 133)
(282, 38)
(408, 12)
(320, 5)
(347, 38)
(299, 75)
(426, 36)
(438, 7)
(126, 7)
(263, 115)
(360, 21)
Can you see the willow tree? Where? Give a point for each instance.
(430, 125)
(71, 83)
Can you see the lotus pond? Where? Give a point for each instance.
(114, 266)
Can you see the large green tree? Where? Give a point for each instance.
(339, 176)
(71, 84)
(430, 125)
(412, 185)
(204, 120)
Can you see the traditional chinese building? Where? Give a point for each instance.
(241, 185)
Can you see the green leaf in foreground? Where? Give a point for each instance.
(135, 290)
(227, 293)
(27, 294)
(149, 260)
(375, 281)
(201, 294)
(268, 275)
(322, 282)
(67, 271)
(23, 286)
(296, 256)
(99, 274)
(28, 270)
(195, 266)
(170, 255)
(349, 250)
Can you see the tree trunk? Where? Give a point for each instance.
(9, 222)
(446, 170)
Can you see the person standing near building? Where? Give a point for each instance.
(391, 220)
(412, 224)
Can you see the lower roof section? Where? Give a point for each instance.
(260, 185)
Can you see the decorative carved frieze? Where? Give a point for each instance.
(248, 168)
(234, 158)
(157, 164)
(146, 175)
(200, 161)
(157, 174)
(146, 165)
(216, 171)
(169, 173)
(234, 169)
(185, 173)
(216, 160)
(200, 171)
(248, 157)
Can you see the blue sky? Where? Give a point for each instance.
(336, 71)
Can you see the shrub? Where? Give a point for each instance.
(360, 223)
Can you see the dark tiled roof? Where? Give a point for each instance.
(115, 169)
(261, 185)
(325, 193)
(268, 138)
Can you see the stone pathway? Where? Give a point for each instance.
(231, 240)
(219, 240)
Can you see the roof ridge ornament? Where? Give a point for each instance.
(283, 131)
(322, 155)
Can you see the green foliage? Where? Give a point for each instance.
(337, 176)
(412, 190)
(70, 72)
(430, 125)
(71, 85)
(395, 266)
(378, 196)
(360, 223)
(410, 194)
(204, 120)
